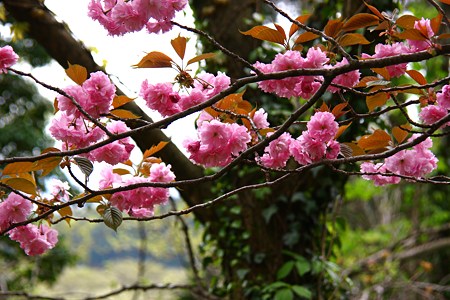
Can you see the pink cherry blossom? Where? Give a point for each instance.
(66, 104)
(378, 180)
(161, 173)
(260, 119)
(194, 97)
(348, 79)
(101, 92)
(322, 126)
(443, 97)
(14, 209)
(7, 58)
(108, 178)
(432, 113)
(424, 26)
(60, 190)
(34, 240)
(161, 97)
(382, 50)
(277, 152)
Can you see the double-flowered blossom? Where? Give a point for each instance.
(432, 113)
(139, 202)
(95, 96)
(7, 58)
(382, 50)
(314, 144)
(416, 162)
(34, 240)
(14, 209)
(298, 86)
(121, 16)
(348, 79)
(424, 26)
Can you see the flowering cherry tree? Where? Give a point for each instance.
(91, 122)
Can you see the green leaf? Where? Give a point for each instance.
(301, 291)
(303, 266)
(112, 217)
(285, 270)
(269, 212)
(284, 294)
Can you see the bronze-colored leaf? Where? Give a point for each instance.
(356, 150)
(17, 167)
(300, 19)
(365, 80)
(77, 73)
(280, 30)
(351, 39)
(121, 171)
(338, 110)
(333, 28)
(123, 114)
(376, 100)
(47, 164)
(66, 211)
(155, 59)
(377, 140)
(445, 1)
(435, 23)
(411, 34)
(200, 57)
(155, 149)
(341, 130)
(179, 45)
(266, 34)
(417, 76)
(21, 184)
(401, 132)
(375, 11)
(383, 72)
(444, 36)
(118, 101)
(361, 20)
(406, 21)
(306, 37)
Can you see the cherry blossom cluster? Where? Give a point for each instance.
(163, 98)
(416, 162)
(138, 202)
(34, 240)
(7, 58)
(314, 144)
(432, 113)
(76, 131)
(121, 16)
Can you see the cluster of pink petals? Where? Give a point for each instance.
(117, 151)
(164, 99)
(299, 86)
(7, 58)
(314, 144)
(416, 162)
(382, 50)
(217, 143)
(14, 209)
(120, 16)
(34, 240)
(348, 79)
(422, 45)
(60, 190)
(138, 202)
(95, 96)
(432, 113)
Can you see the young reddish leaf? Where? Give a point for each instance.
(356, 150)
(306, 37)
(17, 168)
(65, 211)
(360, 21)
(47, 164)
(199, 58)
(382, 26)
(266, 34)
(406, 21)
(96, 199)
(155, 59)
(377, 140)
(294, 27)
(351, 39)
(77, 73)
(324, 107)
(383, 72)
(435, 23)
(265, 131)
(338, 110)
(55, 106)
(154, 149)
(363, 82)
(118, 101)
(121, 171)
(411, 34)
(444, 36)
(445, 1)
(280, 30)
(400, 133)
(298, 47)
(179, 45)
(376, 100)
(124, 114)
(341, 130)
(333, 28)
(375, 11)
(417, 76)
(21, 184)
